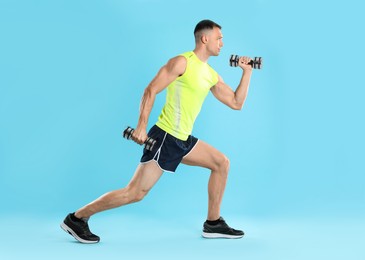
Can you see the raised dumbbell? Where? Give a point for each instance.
(256, 63)
(148, 144)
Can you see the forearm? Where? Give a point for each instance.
(242, 90)
(145, 109)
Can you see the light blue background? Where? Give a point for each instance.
(72, 74)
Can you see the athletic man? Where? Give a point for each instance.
(188, 79)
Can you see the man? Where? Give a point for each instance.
(188, 79)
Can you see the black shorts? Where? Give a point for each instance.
(168, 151)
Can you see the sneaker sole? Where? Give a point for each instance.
(72, 233)
(218, 235)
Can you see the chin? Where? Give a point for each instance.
(214, 53)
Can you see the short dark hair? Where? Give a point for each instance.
(205, 24)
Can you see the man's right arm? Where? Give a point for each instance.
(174, 68)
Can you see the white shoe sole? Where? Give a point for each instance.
(218, 235)
(72, 233)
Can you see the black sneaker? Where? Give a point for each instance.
(79, 229)
(220, 230)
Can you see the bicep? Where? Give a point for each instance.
(223, 92)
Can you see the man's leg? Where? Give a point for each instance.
(207, 156)
(145, 177)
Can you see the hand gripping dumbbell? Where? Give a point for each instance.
(148, 144)
(256, 63)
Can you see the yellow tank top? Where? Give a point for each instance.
(185, 97)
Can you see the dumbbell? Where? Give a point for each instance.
(256, 63)
(148, 144)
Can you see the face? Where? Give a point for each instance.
(214, 41)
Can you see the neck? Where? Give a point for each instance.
(201, 54)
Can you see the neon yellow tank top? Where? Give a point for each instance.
(185, 97)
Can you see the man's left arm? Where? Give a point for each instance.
(225, 94)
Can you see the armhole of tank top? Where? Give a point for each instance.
(216, 79)
(216, 76)
(186, 65)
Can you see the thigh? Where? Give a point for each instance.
(145, 176)
(204, 155)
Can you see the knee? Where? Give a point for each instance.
(135, 195)
(222, 164)
(226, 164)
(140, 196)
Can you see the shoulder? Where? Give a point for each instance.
(177, 65)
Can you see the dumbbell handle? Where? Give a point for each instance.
(256, 63)
(148, 144)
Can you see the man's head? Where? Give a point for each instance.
(208, 34)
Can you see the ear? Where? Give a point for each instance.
(204, 39)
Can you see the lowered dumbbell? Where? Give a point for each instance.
(256, 63)
(148, 144)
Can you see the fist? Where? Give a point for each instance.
(244, 63)
(139, 136)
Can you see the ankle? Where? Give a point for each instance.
(77, 217)
(213, 222)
